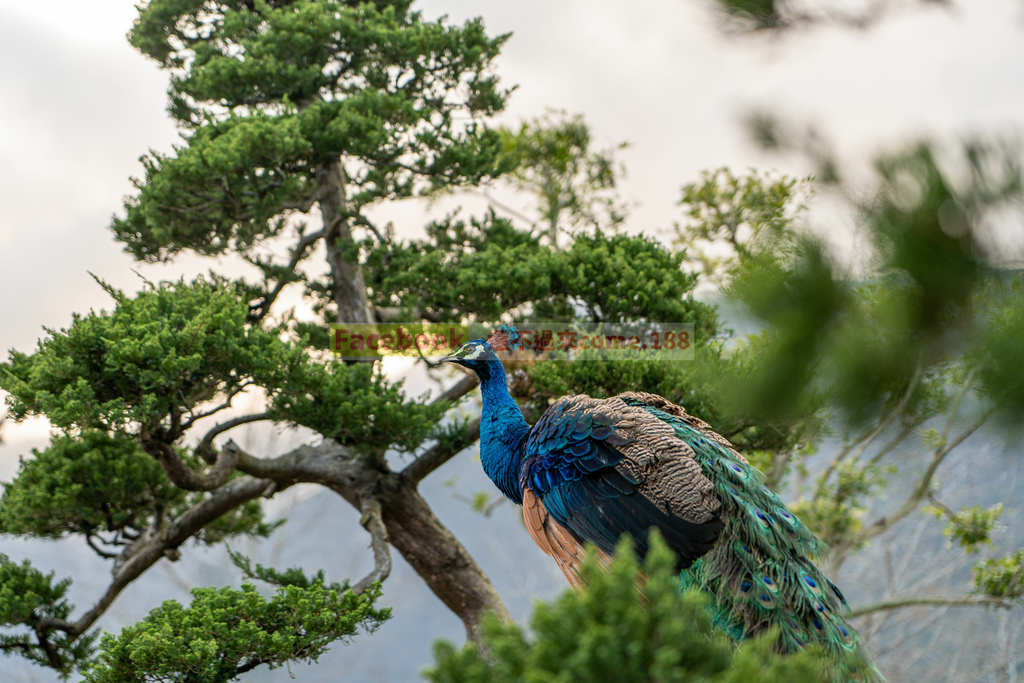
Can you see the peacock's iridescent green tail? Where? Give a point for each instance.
(761, 571)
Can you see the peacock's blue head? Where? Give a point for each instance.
(476, 355)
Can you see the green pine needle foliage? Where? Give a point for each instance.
(626, 626)
(94, 483)
(486, 267)
(225, 632)
(271, 93)
(293, 576)
(146, 368)
(154, 358)
(27, 596)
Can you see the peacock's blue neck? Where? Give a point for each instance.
(502, 430)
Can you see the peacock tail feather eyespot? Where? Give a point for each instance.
(844, 635)
(787, 516)
(810, 582)
(769, 583)
(736, 469)
(742, 549)
(764, 521)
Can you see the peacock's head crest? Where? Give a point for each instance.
(479, 354)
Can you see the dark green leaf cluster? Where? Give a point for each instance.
(148, 366)
(27, 597)
(1001, 577)
(276, 92)
(931, 297)
(106, 488)
(482, 269)
(221, 191)
(799, 303)
(94, 483)
(225, 632)
(487, 267)
(752, 15)
(620, 278)
(999, 354)
(354, 405)
(611, 631)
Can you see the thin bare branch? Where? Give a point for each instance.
(205, 447)
(457, 390)
(894, 442)
(99, 551)
(373, 522)
(360, 219)
(921, 490)
(968, 381)
(505, 208)
(931, 601)
(858, 447)
(193, 418)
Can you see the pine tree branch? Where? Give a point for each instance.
(102, 553)
(205, 447)
(298, 253)
(142, 555)
(438, 455)
(374, 524)
(185, 477)
(320, 464)
(412, 527)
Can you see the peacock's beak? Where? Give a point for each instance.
(457, 361)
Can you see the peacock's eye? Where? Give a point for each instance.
(473, 352)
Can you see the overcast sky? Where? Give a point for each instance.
(78, 106)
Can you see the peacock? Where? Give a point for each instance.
(591, 470)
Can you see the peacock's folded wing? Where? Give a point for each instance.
(602, 468)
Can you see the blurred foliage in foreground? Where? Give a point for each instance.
(613, 631)
(902, 355)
